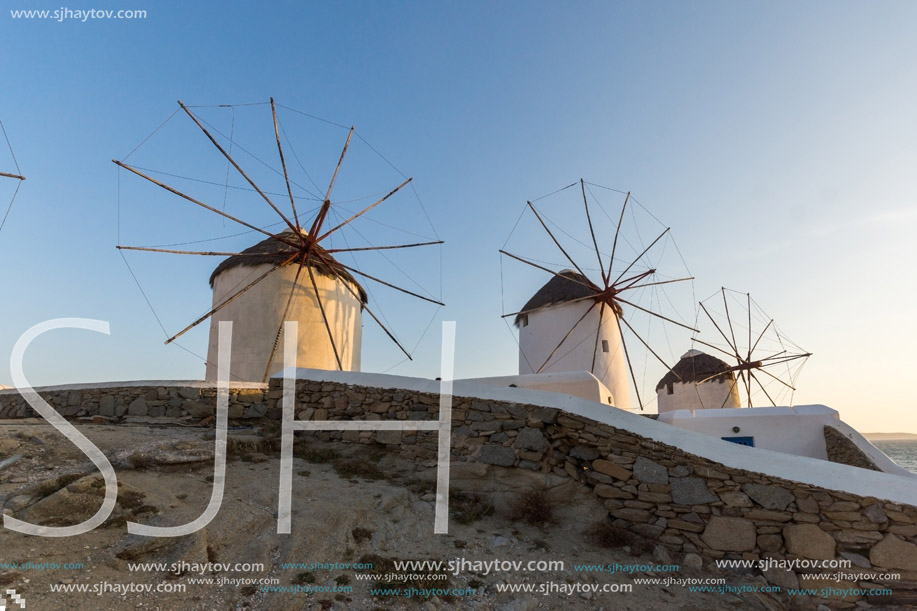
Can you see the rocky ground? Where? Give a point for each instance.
(351, 503)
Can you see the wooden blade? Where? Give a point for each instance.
(710, 377)
(364, 210)
(629, 366)
(640, 286)
(645, 250)
(598, 333)
(561, 343)
(388, 284)
(629, 283)
(192, 252)
(541, 267)
(763, 331)
(698, 341)
(346, 284)
(230, 299)
(732, 332)
(338, 166)
(283, 164)
(749, 325)
(761, 386)
(286, 311)
(320, 217)
(747, 380)
(239, 169)
(614, 245)
(545, 225)
(203, 205)
(16, 176)
(765, 371)
(321, 307)
(787, 359)
(659, 358)
(735, 351)
(592, 233)
(733, 381)
(650, 312)
(333, 250)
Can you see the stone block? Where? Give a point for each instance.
(497, 455)
(138, 407)
(531, 439)
(769, 496)
(729, 534)
(894, 553)
(809, 541)
(690, 491)
(615, 470)
(650, 472)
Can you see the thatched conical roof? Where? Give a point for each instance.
(272, 252)
(568, 285)
(695, 366)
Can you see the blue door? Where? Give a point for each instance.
(742, 441)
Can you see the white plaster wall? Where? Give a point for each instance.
(793, 430)
(258, 313)
(580, 384)
(898, 487)
(713, 394)
(545, 330)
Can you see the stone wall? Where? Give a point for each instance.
(844, 451)
(688, 503)
(168, 399)
(692, 505)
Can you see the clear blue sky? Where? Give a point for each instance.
(777, 139)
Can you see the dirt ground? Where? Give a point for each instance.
(351, 504)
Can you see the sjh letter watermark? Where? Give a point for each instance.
(284, 514)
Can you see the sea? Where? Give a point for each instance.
(903, 452)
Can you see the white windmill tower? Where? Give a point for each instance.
(698, 381)
(766, 363)
(561, 315)
(575, 324)
(291, 275)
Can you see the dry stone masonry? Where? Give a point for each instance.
(694, 506)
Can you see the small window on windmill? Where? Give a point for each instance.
(604, 345)
(524, 320)
(669, 388)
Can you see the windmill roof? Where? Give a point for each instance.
(566, 286)
(272, 252)
(695, 366)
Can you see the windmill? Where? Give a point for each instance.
(292, 274)
(604, 308)
(766, 363)
(17, 176)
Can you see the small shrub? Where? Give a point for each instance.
(421, 486)
(534, 508)
(607, 535)
(468, 507)
(303, 578)
(352, 468)
(342, 580)
(361, 534)
(314, 455)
